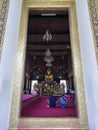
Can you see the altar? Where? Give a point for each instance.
(50, 87)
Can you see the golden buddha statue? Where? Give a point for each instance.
(49, 76)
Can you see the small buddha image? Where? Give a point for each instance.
(49, 76)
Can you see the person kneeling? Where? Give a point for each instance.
(52, 101)
(63, 101)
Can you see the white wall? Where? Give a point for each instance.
(89, 62)
(7, 65)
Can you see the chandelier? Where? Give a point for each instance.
(47, 36)
(48, 64)
(47, 52)
(48, 58)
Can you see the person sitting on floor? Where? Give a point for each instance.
(63, 101)
(52, 101)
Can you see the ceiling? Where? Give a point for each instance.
(57, 22)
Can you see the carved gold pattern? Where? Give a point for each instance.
(3, 17)
(0, 4)
(93, 10)
(78, 122)
(78, 73)
(96, 3)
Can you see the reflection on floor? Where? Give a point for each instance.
(38, 108)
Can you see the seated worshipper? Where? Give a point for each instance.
(63, 101)
(52, 101)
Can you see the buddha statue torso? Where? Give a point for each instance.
(49, 76)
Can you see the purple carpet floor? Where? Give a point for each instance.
(39, 108)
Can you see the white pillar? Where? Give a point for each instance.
(89, 62)
(7, 65)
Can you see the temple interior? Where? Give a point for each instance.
(48, 66)
(49, 48)
(48, 63)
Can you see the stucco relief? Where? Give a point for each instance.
(0, 5)
(96, 2)
(15, 120)
(93, 10)
(3, 16)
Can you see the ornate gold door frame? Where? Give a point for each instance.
(4, 5)
(78, 122)
(93, 10)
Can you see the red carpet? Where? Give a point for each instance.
(38, 108)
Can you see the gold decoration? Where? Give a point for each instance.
(81, 121)
(93, 10)
(78, 73)
(3, 18)
(49, 76)
(96, 3)
(0, 4)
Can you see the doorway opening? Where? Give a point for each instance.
(48, 65)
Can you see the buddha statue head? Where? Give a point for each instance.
(48, 71)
